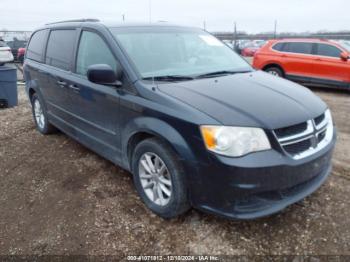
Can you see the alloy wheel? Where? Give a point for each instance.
(39, 114)
(274, 73)
(155, 178)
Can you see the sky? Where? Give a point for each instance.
(252, 16)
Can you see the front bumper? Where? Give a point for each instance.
(259, 184)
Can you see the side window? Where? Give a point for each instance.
(93, 50)
(36, 46)
(60, 47)
(297, 47)
(278, 47)
(328, 50)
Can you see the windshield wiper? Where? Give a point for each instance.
(169, 78)
(223, 72)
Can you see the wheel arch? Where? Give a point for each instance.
(274, 64)
(31, 92)
(147, 127)
(33, 89)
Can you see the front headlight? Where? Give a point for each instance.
(234, 141)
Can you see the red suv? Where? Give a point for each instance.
(310, 61)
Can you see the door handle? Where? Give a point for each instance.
(61, 83)
(74, 88)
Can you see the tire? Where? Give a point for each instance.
(275, 71)
(175, 204)
(41, 122)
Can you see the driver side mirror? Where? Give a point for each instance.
(103, 74)
(344, 56)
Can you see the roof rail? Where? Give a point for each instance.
(75, 20)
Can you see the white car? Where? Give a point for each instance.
(5, 53)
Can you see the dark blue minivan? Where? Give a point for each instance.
(194, 123)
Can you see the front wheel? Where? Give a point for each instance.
(40, 116)
(159, 178)
(274, 71)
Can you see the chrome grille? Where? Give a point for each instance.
(306, 138)
(318, 120)
(291, 130)
(298, 147)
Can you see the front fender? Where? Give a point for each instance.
(159, 129)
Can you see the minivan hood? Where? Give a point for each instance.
(254, 99)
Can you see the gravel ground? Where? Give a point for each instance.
(57, 197)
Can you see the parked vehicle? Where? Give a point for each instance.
(20, 54)
(15, 44)
(252, 47)
(5, 53)
(309, 61)
(259, 43)
(250, 50)
(240, 44)
(187, 116)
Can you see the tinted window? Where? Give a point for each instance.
(300, 48)
(328, 50)
(93, 50)
(278, 46)
(36, 46)
(60, 48)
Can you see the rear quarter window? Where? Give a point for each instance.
(36, 46)
(298, 47)
(278, 46)
(60, 48)
(328, 50)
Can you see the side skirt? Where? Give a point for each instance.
(321, 82)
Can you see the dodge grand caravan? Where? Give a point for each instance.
(190, 119)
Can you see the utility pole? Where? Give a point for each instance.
(275, 31)
(123, 16)
(235, 37)
(204, 25)
(150, 10)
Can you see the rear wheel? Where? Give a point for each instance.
(276, 71)
(40, 116)
(159, 178)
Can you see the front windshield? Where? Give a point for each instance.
(175, 52)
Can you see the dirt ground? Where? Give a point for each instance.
(57, 197)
